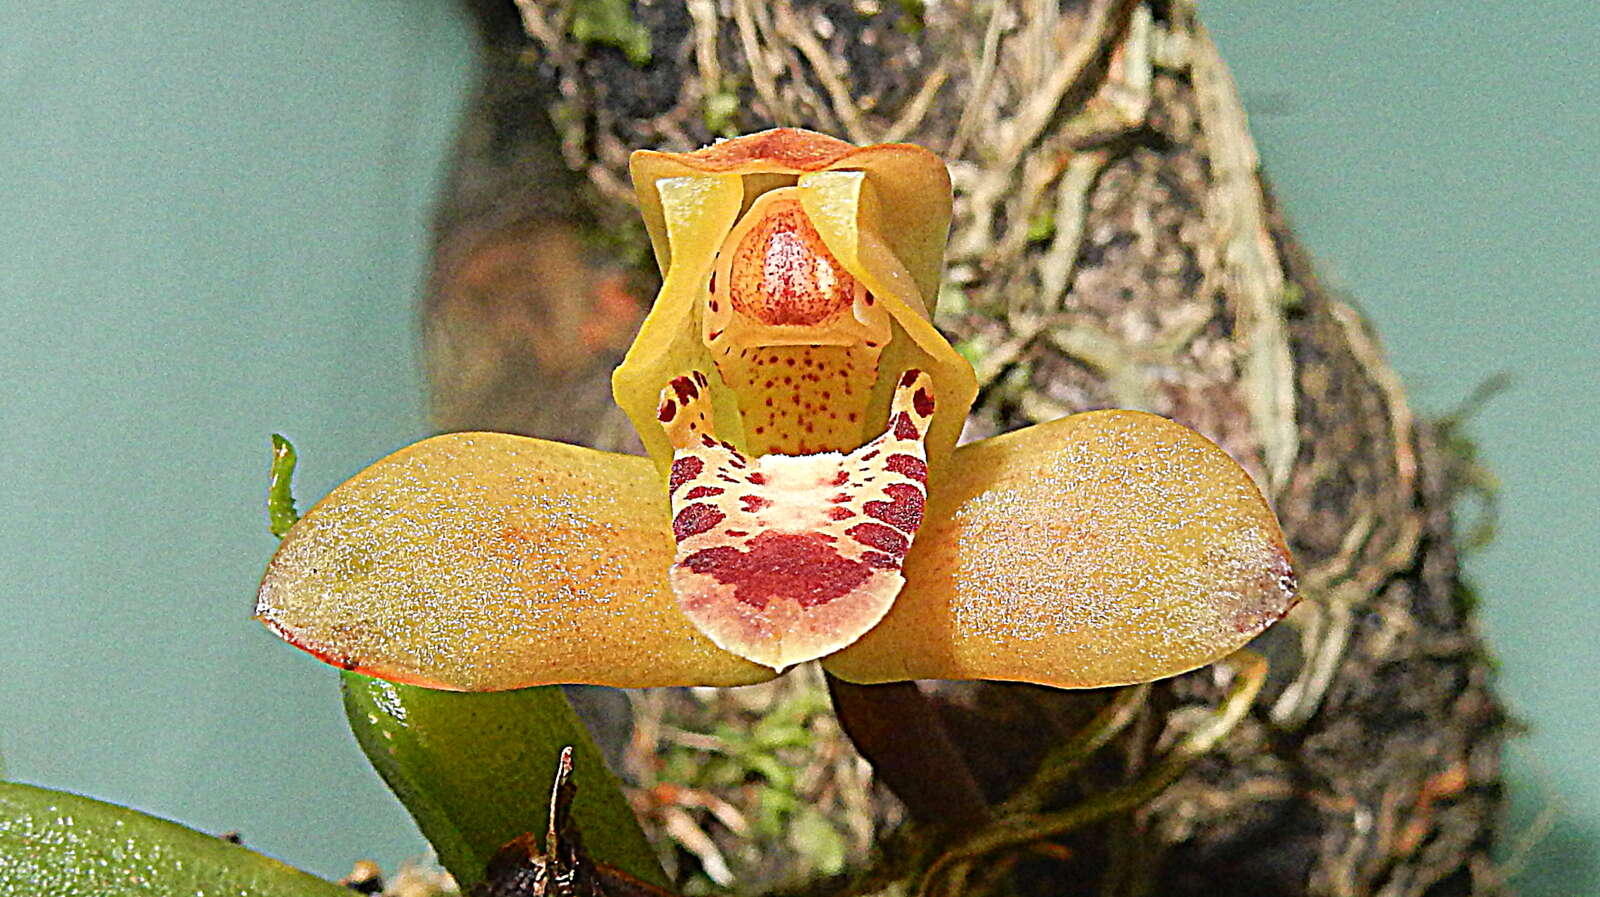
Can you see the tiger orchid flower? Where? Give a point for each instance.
(803, 497)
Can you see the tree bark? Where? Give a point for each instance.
(1114, 245)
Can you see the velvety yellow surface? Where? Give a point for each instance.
(1101, 549)
(482, 561)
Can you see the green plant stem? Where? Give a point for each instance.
(476, 770)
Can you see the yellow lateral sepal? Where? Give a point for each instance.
(484, 561)
(1100, 549)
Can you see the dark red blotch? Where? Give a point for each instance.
(883, 538)
(694, 520)
(903, 511)
(909, 466)
(904, 428)
(683, 470)
(801, 567)
(685, 389)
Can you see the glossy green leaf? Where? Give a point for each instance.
(55, 844)
(475, 771)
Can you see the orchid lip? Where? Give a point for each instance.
(785, 558)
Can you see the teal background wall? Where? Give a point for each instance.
(213, 220)
(213, 223)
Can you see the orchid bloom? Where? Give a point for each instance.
(803, 497)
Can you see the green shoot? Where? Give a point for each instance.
(280, 496)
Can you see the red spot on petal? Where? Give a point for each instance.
(702, 492)
(904, 428)
(683, 470)
(685, 389)
(880, 560)
(908, 466)
(904, 512)
(667, 411)
(840, 498)
(842, 477)
(753, 503)
(840, 512)
(922, 402)
(708, 442)
(876, 535)
(759, 479)
(694, 520)
(801, 567)
(909, 377)
(707, 560)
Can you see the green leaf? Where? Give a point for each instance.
(475, 771)
(55, 844)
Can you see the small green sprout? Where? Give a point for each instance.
(281, 513)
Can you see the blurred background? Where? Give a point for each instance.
(213, 226)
